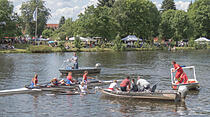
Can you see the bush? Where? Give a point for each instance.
(117, 43)
(39, 49)
(77, 43)
(200, 46)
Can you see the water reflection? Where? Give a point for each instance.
(136, 106)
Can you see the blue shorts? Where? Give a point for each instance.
(68, 82)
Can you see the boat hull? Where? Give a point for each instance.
(190, 86)
(18, 91)
(80, 71)
(158, 95)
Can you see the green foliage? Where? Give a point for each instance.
(200, 46)
(77, 43)
(62, 36)
(137, 17)
(167, 5)
(108, 3)
(199, 14)
(61, 45)
(175, 25)
(191, 43)
(62, 21)
(97, 22)
(47, 33)
(117, 43)
(27, 10)
(9, 21)
(39, 49)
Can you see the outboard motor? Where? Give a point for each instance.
(98, 65)
(183, 92)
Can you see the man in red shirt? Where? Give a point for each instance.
(177, 68)
(125, 83)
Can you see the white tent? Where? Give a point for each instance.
(202, 39)
(131, 38)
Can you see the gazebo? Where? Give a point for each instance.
(131, 38)
(202, 39)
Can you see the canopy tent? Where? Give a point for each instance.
(83, 39)
(131, 38)
(202, 39)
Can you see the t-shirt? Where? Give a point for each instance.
(125, 83)
(83, 88)
(74, 59)
(142, 83)
(113, 85)
(85, 77)
(70, 78)
(180, 68)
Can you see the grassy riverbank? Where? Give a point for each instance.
(47, 49)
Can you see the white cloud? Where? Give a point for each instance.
(182, 5)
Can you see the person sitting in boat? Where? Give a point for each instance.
(125, 84)
(177, 68)
(62, 82)
(34, 81)
(85, 77)
(74, 60)
(83, 88)
(70, 80)
(113, 86)
(54, 82)
(134, 87)
(143, 84)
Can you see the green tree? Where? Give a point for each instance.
(9, 21)
(77, 42)
(47, 33)
(27, 10)
(168, 4)
(62, 21)
(175, 25)
(117, 43)
(108, 3)
(97, 22)
(199, 14)
(138, 17)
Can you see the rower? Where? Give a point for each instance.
(134, 87)
(113, 86)
(83, 88)
(143, 84)
(85, 78)
(54, 82)
(177, 68)
(125, 83)
(70, 79)
(74, 60)
(34, 81)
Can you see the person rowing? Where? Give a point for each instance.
(83, 88)
(113, 86)
(85, 77)
(70, 80)
(74, 60)
(54, 82)
(34, 81)
(125, 84)
(143, 84)
(177, 68)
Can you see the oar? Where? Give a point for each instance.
(154, 86)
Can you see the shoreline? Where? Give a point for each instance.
(53, 50)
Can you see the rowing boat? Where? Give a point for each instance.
(19, 91)
(80, 71)
(167, 95)
(58, 88)
(192, 83)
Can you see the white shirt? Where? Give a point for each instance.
(143, 83)
(113, 85)
(83, 88)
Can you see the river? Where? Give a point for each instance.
(17, 70)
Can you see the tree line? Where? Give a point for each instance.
(114, 18)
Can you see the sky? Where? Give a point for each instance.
(71, 8)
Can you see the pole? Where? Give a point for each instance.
(36, 24)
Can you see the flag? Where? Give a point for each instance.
(35, 15)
